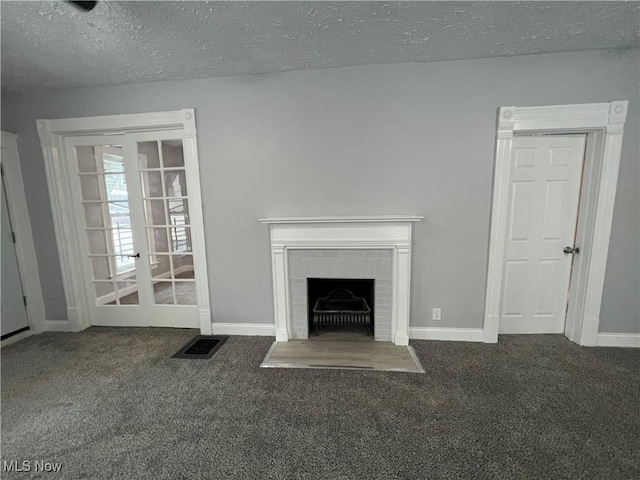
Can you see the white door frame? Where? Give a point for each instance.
(604, 125)
(52, 134)
(25, 249)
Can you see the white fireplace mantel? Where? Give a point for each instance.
(355, 232)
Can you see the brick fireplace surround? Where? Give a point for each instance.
(342, 247)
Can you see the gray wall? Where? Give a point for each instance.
(395, 139)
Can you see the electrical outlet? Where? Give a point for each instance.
(437, 314)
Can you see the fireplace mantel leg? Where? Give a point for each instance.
(402, 288)
(280, 292)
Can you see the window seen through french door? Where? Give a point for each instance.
(132, 202)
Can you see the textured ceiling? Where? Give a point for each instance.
(54, 45)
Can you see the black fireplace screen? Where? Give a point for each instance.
(340, 302)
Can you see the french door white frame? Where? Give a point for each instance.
(52, 138)
(604, 125)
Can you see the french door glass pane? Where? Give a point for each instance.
(158, 239)
(180, 239)
(183, 266)
(99, 241)
(175, 183)
(164, 293)
(185, 287)
(160, 266)
(86, 159)
(104, 292)
(152, 184)
(108, 226)
(90, 185)
(94, 215)
(185, 293)
(163, 181)
(103, 267)
(172, 154)
(155, 212)
(127, 293)
(178, 209)
(148, 155)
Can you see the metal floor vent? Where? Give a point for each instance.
(202, 347)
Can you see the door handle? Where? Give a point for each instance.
(568, 250)
(137, 255)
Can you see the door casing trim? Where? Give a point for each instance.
(52, 134)
(604, 125)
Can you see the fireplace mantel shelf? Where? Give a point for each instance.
(347, 219)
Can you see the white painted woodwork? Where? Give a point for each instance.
(13, 315)
(603, 123)
(244, 329)
(341, 219)
(543, 205)
(627, 340)
(380, 232)
(446, 334)
(56, 138)
(24, 247)
(146, 312)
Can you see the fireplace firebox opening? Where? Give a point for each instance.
(340, 303)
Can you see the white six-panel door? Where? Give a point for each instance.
(543, 207)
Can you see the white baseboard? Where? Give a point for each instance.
(247, 329)
(16, 338)
(56, 326)
(45, 326)
(450, 334)
(618, 340)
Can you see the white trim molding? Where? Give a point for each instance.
(169, 120)
(630, 340)
(57, 326)
(447, 334)
(392, 232)
(25, 248)
(246, 329)
(53, 134)
(604, 124)
(342, 219)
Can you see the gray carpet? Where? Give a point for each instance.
(111, 403)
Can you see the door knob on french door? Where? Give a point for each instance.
(571, 250)
(137, 255)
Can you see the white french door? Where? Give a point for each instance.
(543, 207)
(130, 197)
